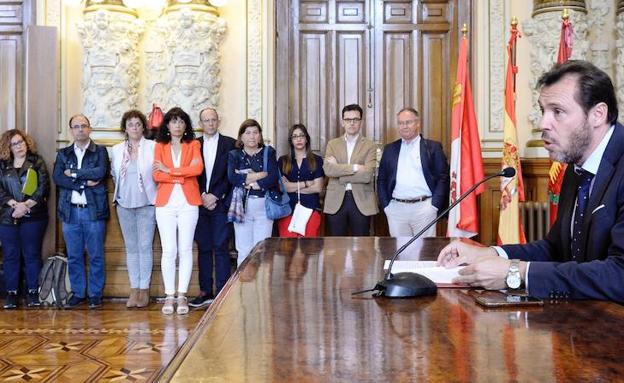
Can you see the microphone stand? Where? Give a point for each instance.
(407, 285)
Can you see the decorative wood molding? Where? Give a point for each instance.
(254, 59)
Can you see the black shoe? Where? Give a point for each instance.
(95, 302)
(32, 299)
(201, 300)
(74, 302)
(11, 300)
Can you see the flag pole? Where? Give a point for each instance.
(514, 34)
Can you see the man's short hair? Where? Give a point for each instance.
(208, 108)
(79, 115)
(409, 109)
(594, 86)
(352, 107)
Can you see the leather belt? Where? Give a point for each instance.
(419, 199)
(79, 205)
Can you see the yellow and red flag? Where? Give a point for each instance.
(557, 169)
(466, 167)
(510, 228)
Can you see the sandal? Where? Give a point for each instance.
(168, 308)
(182, 305)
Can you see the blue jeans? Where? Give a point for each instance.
(25, 240)
(82, 233)
(137, 227)
(212, 235)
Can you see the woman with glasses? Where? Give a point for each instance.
(303, 178)
(24, 190)
(251, 181)
(177, 163)
(134, 196)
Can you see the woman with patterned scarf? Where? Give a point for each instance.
(134, 196)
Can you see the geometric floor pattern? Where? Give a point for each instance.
(112, 344)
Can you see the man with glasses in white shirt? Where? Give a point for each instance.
(413, 179)
(349, 164)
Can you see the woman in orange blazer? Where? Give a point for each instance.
(177, 163)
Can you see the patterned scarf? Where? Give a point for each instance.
(125, 161)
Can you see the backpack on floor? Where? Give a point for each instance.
(54, 286)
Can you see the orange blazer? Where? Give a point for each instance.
(191, 165)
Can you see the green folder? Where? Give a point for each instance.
(30, 186)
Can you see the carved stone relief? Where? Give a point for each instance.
(182, 61)
(597, 15)
(543, 30)
(110, 82)
(254, 61)
(619, 59)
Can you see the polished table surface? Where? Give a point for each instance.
(288, 316)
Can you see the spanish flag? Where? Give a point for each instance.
(510, 228)
(466, 167)
(557, 169)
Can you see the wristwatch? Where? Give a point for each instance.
(513, 280)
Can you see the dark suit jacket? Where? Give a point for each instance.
(219, 186)
(600, 273)
(435, 169)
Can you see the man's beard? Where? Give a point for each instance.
(579, 142)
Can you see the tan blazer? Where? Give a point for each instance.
(362, 183)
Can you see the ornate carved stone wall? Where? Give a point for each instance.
(110, 75)
(178, 52)
(619, 60)
(543, 31)
(182, 61)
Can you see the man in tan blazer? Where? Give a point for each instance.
(349, 164)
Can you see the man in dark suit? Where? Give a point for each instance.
(413, 179)
(212, 232)
(582, 257)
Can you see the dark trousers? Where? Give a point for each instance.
(212, 235)
(348, 217)
(24, 239)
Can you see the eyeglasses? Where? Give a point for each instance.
(295, 136)
(210, 120)
(80, 126)
(351, 120)
(406, 123)
(17, 143)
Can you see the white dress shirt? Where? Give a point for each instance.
(410, 180)
(350, 146)
(210, 154)
(79, 198)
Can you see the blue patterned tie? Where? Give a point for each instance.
(582, 197)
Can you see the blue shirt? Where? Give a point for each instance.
(311, 201)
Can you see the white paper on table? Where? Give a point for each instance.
(430, 269)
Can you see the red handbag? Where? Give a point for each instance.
(155, 117)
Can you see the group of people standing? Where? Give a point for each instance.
(194, 189)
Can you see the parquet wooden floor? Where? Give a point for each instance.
(111, 344)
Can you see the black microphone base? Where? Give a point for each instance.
(406, 285)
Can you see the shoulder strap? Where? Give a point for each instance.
(265, 158)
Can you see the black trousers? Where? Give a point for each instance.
(348, 217)
(212, 235)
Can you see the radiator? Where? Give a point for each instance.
(535, 218)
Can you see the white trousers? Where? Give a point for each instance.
(407, 219)
(256, 228)
(176, 226)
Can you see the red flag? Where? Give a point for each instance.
(510, 229)
(466, 163)
(557, 169)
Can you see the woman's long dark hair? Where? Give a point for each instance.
(289, 158)
(164, 135)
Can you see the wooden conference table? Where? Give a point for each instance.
(288, 316)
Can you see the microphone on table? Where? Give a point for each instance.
(407, 285)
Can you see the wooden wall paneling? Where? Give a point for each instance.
(398, 80)
(11, 64)
(535, 176)
(351, 75)
(41, 105)
(313, 85)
